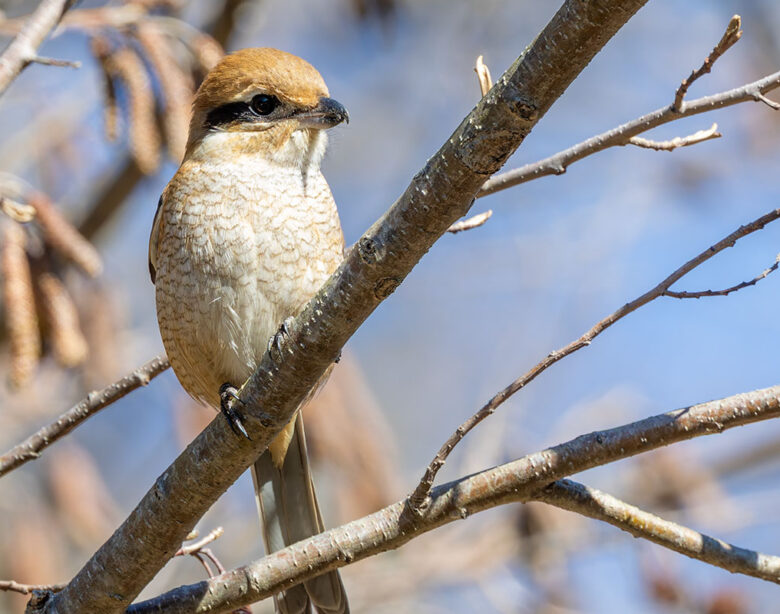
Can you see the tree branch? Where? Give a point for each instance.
(569, 495)
(439, 195)
(417, 498)
(32, 447)
(23, 49)
(517, 481)
(726, 291)
(622, 135)
(732, 34)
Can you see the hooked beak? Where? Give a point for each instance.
(326, 114)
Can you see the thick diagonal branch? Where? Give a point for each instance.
(439, 194)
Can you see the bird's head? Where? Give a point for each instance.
(263, 101)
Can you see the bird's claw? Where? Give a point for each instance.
(277, 342)
(228, 397)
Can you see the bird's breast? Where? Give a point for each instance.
(243, 245)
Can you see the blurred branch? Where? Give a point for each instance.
(702, 293)
(417, 499)
(518, 481)
(575, 497)
(23, 49)
(732, 34)
(623, 135)
(32, 447)
(26, 589)
(441, 193)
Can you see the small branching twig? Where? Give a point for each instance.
(678, 141)
(726, 291)
(55, 62)
(418, 497)
(32, 447)
(26, 589)
(201, 543)
(472, 222)
(626, 133)
(207, 558)
(732, 34)
(36, 28)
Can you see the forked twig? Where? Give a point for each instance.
(732, 34)
(421, 492)
(726, 291)
(624, 134)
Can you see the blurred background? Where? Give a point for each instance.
(99, 143)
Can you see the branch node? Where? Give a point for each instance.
(759, 97)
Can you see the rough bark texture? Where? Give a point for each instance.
(439, 194)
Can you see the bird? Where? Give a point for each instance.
(245, 234)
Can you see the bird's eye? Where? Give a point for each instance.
(264, 104)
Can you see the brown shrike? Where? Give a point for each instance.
(245, 234)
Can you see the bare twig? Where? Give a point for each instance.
(575, 497)
(622, 135)
(759, 97)
(483, 75)
(32, 447)
(474, 221)
(517, 481)
(726, 291)
(38, 59)
(201, 543)
(678, 141)
(417, 499)
(26, 589)
(22, 49)
(732, 34)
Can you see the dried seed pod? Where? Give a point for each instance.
(125, 66)
(207, 51)
(62, 236)
(21, 319)
(101, 49)
(19, 212)
(175, 84)
(62, 321)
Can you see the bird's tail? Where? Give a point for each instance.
(289, 513)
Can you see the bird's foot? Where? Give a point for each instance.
(277, 342)
(228, 397)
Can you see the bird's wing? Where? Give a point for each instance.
(154, 238)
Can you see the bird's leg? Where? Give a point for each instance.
(278, 340)
(228, 397)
